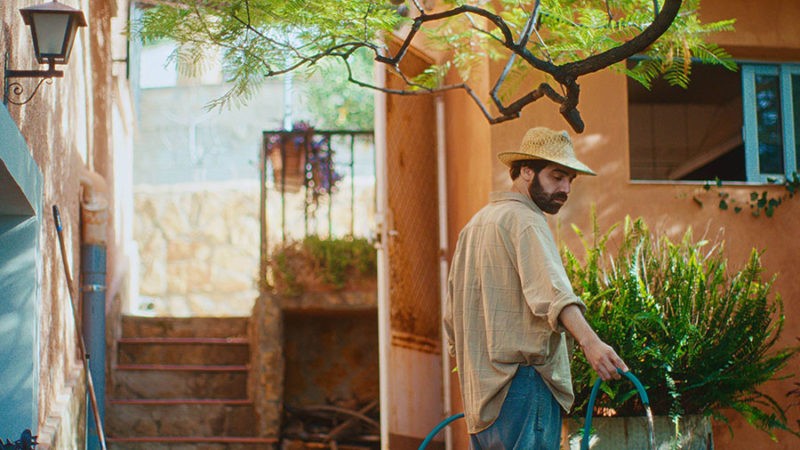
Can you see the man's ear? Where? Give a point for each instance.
(527, 173)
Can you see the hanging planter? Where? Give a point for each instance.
(288, 153)
(299, 159)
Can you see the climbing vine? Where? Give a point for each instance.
(758, 202)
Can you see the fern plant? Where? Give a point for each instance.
(699, 334)
(314, 263)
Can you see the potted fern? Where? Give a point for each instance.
(700, 335)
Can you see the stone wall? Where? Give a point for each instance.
(199, 248)
(199, 243)
(270, 360)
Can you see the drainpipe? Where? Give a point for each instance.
(384, 327)
(441, 162)
(94, 221)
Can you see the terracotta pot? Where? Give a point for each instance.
(293, 159)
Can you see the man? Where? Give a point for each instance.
(510, 303)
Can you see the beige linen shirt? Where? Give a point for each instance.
(506, 288)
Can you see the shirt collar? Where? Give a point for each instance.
(510, 196)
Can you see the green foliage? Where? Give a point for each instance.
(759, 202)
(699, 334)
(323, 264)
(337, 103)
(262, 38)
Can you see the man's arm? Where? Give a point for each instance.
(603, 359)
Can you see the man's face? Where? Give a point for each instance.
(550, 187)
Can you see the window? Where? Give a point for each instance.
(735, 126)
(771, 97)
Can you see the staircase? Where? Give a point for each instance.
(181, 384)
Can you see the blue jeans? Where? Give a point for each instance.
(530, 418)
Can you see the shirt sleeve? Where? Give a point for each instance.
(544, 281)
(448, 317)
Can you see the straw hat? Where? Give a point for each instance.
(547, 144)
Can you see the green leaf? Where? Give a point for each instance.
(694, 330)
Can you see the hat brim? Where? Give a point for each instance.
(509, 157)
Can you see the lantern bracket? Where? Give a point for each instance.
(16, 89)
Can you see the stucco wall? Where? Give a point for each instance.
(666, 207)
(469, 154)
(68, 129)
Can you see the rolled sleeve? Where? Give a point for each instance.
(544, 281)
(448, 318)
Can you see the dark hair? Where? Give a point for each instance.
(534, 164)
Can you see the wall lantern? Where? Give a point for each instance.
(53, 27)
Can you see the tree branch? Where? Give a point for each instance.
(636, 45)
(329, 43)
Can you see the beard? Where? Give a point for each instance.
(547, 202)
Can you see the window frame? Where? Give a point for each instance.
(784, 73)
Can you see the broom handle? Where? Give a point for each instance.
(84, 355)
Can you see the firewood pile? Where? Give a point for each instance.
(332, 427)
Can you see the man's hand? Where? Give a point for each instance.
(603, 359)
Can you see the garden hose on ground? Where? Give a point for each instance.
(439, 428)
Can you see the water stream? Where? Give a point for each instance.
(651, 432)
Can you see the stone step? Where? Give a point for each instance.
(180, 417)
(183, 350)
(206, 327)
(192, 443)
(161, 381)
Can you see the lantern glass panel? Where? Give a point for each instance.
(51, 30)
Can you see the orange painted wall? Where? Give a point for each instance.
(667, 207)
(765, 29)
(469, 154)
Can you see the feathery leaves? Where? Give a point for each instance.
(699, 334)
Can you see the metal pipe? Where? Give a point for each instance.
(352, 185)
(384, 327)
(441, 172)
(95, 409)
(94, 223)
(262, 278)
(93, 295)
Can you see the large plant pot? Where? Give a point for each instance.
(692, 432)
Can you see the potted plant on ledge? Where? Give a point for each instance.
(700, 335)
(314, 264)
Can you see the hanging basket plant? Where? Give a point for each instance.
(287, 152)
(301, 159)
